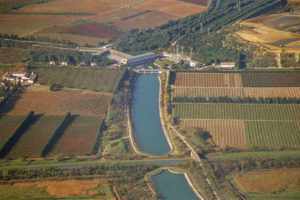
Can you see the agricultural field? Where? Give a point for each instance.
(269, 184)
(58, 103)
(207, 80)
(271, 79)
(74, 188)
(171, 7)
(25, 25)
(77, 6)
(117, 15)
(224, 132)
(79, 137)
(254, 92)
(8, 125)
(284, 112)
(237, 80)
(91, 30)
(13, 55)
(146, 20)
(36, 137)
(272, 133)
(87, 79)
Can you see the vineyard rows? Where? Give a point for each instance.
(237, 80)
(207, 80)
(289, 92)
(58, 103)
(237, 111)
(272, 134)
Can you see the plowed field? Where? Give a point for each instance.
(58, 103)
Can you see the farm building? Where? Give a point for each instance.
(194, 64)
(27, 77)
(227, 64)
(140, 60)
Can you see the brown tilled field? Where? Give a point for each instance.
(273, 181)
(77, 6)
(117, 15)
(91, 30)
(224, 132)
(147, 20)
(79, 137)
(28, 24)
(172, 7)
(58, 103)
(255, 92)
(208, 80)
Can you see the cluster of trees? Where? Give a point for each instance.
(39, 54)
(6, 92)
(200, 32)
(226, 99)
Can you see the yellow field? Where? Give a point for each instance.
(273, 181)
(262, 34)
(96, 188)
(255, 92)
(224, 132)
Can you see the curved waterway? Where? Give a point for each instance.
(145, 116)
(172, 186)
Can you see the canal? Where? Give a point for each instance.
(151, 139)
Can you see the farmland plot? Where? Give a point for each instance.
(8, 125)
(207, 80)
(35, 138)
(255, 92)
(271, 79)
(272, 133)
(224, 132)
(96, 80)
(79, 137)
(58, 103)
(146, 20)
(237, 111)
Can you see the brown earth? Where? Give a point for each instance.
(147, 20)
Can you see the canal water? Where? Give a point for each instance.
(172, 186)
(145, 116)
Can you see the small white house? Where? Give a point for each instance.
(52, 63)
(93, 64)
(194, 64)
(227, 64)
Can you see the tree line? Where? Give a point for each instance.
(226, 99)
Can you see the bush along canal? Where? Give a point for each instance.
(172, 186)
(145, 116)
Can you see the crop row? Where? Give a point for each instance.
(237, 111)
(271, 92)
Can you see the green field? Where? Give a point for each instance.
(98, 80)
(244, 154)
(35, 138)
(13, 55)
(79, 137)
(237, 111)
(272, 134)
(8, 125)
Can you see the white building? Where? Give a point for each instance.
(194, 64)
(227, 64)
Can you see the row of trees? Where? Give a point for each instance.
(226, 99)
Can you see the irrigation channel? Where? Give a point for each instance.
(151, 139)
